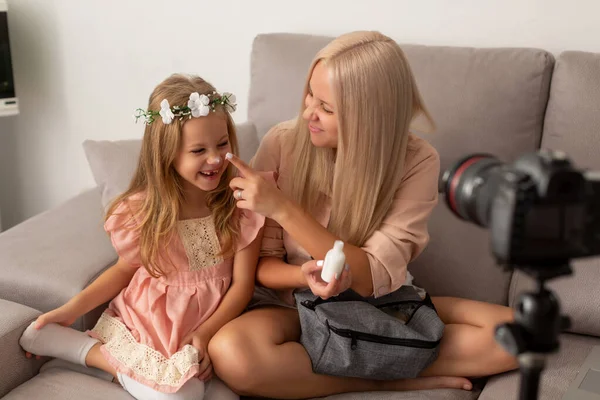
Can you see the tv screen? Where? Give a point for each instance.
(8, 96)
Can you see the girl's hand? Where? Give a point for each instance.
(200, 341)
(312, 272)
(64, 315)
(255, 193)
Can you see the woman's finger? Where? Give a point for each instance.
(333, 288)
(316, 282)
(244, 168)
(244, 205)
(238, 183)
(205, 364)
(338, 284)
(311, 267)
(204, 376)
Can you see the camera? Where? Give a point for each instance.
(541, 212)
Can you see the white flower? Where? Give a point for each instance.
(230, 101)
(199, 104)
(165, 112)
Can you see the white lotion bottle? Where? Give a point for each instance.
(334, 262)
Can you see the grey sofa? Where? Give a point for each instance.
(501, 101)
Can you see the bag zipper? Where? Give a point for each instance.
(354, 336)
(312, 304)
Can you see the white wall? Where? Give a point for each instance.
(82, 67)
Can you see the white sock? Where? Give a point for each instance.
(58, 341)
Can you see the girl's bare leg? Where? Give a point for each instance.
(95, 359)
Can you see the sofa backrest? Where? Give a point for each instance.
(482, 100)
(490, 100)
(278, 68)
(573, 125)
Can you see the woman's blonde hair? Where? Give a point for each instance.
(376, 100)
(161, 185)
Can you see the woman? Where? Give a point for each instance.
(348, 169)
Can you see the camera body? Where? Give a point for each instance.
(541, 210)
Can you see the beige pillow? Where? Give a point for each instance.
(113, 163)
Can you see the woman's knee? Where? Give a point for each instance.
(243, 347)
(230, 353)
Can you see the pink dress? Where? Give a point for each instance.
(144, 325)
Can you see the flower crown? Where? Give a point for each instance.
(199, 105)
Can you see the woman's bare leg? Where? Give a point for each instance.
(258, 354)
(468, 347)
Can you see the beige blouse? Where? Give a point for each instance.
(403, 234)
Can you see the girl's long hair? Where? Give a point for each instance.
(161, 186)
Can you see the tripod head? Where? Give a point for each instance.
(538, 322)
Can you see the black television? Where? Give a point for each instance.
(8, 96)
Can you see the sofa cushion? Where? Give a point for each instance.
(482, 100)
(573, 126)
(52, 256)
(15, 368)
(560, 371)
(573, 115)
(64, 384)
(113, 163)
(437, 394)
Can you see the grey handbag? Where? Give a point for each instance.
(391, 337)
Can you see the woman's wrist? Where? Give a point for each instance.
(301, 282)
(284, 211)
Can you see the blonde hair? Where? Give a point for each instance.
(157, 179)
(376, 99)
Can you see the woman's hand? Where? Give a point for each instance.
(312, 272)
(255, 193)
(200, 341)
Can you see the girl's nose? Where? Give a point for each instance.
(215, 159)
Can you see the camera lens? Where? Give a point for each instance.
(469, 188)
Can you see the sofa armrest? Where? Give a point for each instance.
(15, 368)
(49, 258)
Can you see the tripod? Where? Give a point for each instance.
(534, 334)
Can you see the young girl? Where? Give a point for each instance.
(187, 256)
